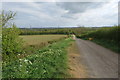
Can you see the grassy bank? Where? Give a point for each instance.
(107, 37)
(49, 62)
(112, 45)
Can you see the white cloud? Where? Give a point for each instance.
(50, 14)
(59, 0)
(105, 15)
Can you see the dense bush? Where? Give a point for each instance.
(11, 43)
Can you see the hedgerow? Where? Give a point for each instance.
(106, 36)
(11, 43)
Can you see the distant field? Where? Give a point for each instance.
(38, 39)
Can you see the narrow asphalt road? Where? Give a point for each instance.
(99, 61)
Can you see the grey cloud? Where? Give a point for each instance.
(73, 8)
(71, 16)
(79, 7)
(64, 14)
(119, 13)
(87, 0)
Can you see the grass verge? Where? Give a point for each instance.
(49, 62)
(108, 44)
(105, 36)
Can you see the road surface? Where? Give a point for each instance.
(99, 61)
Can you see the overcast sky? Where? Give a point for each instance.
(65, 14)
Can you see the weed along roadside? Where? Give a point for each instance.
(49, 62)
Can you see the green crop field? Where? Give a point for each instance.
(38, 39)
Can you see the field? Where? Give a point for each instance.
(38, 39)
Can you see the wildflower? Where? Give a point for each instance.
(30, 62)
(44, 71)
(25, 60)
(36, 55)
(20, 59)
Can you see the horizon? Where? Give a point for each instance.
(64, 27)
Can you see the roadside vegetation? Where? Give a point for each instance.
(49, 62)
(106, 36)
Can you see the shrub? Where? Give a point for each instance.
(11, 43)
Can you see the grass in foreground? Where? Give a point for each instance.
(49, 62)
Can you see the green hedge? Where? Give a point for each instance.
(11, 43)
(110, 36)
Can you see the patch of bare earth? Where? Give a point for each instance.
(76, 68)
